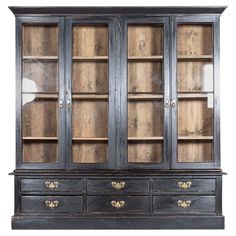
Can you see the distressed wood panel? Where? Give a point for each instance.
(40, 76)
(145, 77)
(90, 77)
(40, 152)
(145, 119)
(89, 118)
(195, 76)
(195, 39)
(142, 152)
(195, 151)
(195, 118)
(89, 152)
(40, 40)
(145, 40)
(39, 117)
(90, 40)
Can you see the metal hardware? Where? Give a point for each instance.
(118, 185)
(184, 185)
(61, 103)
(68, 103)
(173, 102)
(166, 104)
(118, 204)
(51, 185)
(183, 204)
(52, 204)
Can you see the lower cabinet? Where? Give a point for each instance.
(160, 198)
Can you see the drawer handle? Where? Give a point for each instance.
(52, 204)
(118, 204)
(51, 185)
(118, 185)
(184, 204)
(184, 185)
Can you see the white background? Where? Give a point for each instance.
(7, 112)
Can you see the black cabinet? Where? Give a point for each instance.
(117, 116)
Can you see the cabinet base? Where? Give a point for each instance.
(116, 222)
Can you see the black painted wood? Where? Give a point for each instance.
(171, 185)
(132, 204)
(104, 186)
(63, 185)
(36, 204)
(199, 204)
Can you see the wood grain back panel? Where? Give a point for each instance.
(40, 118)
(145, 77)
(145, 40)
(40, 76)
(40, 40)
(90, 40)
(195, 39)
(90, 77)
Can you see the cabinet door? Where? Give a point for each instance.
(90, 93)
(40, 133)
(144, 93)
(195, 88)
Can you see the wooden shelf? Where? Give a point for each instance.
(42, 96)
(145, 138)
(145, 58)
(40, 138)
(144, 97)
(89, 139)
(40, 57)
(195, 138)
(192, 95)
(86, 96)
(92, 58)
(195, 57)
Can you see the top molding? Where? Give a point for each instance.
(62, 11)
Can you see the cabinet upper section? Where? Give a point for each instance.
(62, 11)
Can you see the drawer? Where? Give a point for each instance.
(51, 204)
(184, 204)
(118, 186)
(118, 204)
(52, 185)
(184, 185)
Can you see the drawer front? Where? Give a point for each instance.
(184, 185)
(184, 204)
(51, 204)
(52, 185)
(118, 204)
(118, 186)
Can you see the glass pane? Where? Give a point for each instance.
(90, 93)
(145, 93)
(195, 92)
(40, 40)
(40, 93)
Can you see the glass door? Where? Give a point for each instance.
(196, 96)
(144, 93)
(91, 116)
(40, 82)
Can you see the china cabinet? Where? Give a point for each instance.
(117, 118)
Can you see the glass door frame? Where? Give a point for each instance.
(215, 21)
(123, 93)
(111, 151)
(20, 21)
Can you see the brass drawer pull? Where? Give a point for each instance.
(184, 185)
(118, 204)
(183, 204)
(118, 185)
(52, 204)
(51, 185)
